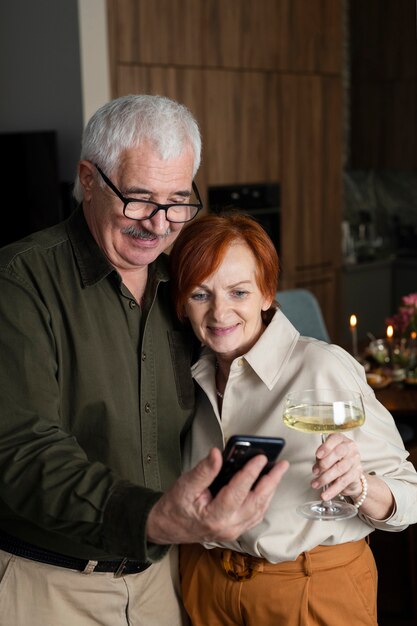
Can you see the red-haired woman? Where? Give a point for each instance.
(286, 570)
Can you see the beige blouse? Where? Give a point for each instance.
(283, 361)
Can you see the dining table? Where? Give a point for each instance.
(400, 400)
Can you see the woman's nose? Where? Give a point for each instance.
(218, 307)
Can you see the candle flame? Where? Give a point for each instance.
(390, 331)
(353, 321)
(413, 334)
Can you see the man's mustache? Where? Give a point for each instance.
(142, 233)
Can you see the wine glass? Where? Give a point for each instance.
(324, 411)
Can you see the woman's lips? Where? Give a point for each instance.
(224, 330)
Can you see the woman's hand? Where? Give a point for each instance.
(338, 466)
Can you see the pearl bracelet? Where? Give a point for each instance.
(364, 492)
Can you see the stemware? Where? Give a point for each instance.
(324, 411)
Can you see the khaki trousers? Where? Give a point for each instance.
(36, 594)
(328, 586)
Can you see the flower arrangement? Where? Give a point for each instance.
(404, 321)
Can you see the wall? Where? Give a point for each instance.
(381, 189)
(264, 79)
(40, 73)
(383, 50)
(54, 70)
(94, 48)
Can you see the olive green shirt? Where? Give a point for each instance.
(94, 395)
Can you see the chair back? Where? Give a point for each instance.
(303, 310)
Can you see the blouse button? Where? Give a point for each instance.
(143, 356)
(132, 304)
(147, 408)
(148, 458)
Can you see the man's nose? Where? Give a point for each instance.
(160, 224)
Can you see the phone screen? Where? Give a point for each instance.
(239, 449)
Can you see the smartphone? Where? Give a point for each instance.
(239, 449)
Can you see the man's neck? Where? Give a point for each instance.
(135, 280)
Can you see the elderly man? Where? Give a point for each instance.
(96, 391)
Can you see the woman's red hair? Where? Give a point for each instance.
(201, 245)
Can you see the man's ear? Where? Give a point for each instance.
(86, 175)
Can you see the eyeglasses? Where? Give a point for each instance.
(145, 209)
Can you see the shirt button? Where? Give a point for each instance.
(143, 356)
(132, 304)
(148, 458)
(240, 362)
(147, 408)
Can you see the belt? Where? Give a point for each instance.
(29, 551)
(239, 566)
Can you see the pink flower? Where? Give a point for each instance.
(410, 300)
(405, 320)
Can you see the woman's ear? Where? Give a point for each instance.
(267, 304)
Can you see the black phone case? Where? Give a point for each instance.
(239, 449)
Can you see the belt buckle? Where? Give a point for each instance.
(121, 568)
(248, 570)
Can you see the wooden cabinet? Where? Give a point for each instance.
(311, 188)
(264, 79)
(383, 52)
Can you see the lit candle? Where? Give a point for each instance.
(353, 322)
(390, 334)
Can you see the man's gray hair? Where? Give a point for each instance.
(128, 121)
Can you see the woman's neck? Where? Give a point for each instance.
(222, 374)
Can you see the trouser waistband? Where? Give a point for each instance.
(240, 566)
(26, 550)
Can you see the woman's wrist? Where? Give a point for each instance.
(360, 499)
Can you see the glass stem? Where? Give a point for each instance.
(327, 504)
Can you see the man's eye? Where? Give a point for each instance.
(138, 198)
(178, 207)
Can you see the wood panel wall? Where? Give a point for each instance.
(264, 79)
(383, 52)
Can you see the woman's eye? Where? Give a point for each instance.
(240, 293)
(200, 296)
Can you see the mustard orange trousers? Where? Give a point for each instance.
(327, 586)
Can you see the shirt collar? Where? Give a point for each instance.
(270, 355)
(92, 263)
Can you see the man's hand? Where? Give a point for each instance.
(188, 513)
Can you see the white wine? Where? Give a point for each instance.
(323, 418)
(324, 411)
